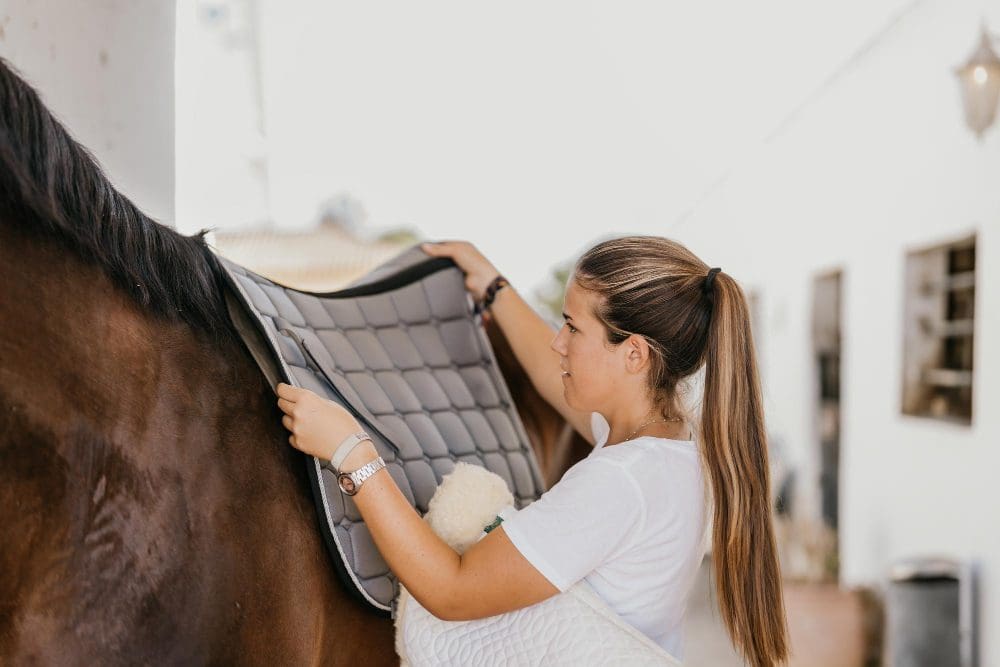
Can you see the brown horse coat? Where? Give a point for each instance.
(151, 508)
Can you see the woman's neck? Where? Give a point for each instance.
(668, 430)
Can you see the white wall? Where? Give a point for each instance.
(529, 128)
(106, 69)
(876, 165)
(221, 146)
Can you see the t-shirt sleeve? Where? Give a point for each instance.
(584, 520)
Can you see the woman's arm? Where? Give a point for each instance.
(421, 560)
(491, 578)
(529, 335)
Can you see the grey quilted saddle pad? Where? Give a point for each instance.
(403, 349)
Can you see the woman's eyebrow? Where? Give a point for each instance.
(566, 317)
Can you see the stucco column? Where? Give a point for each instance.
(106, 69)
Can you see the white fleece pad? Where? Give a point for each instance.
(575, 627)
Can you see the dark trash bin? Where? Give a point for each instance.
(929, 614)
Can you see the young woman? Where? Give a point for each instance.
(642, 314)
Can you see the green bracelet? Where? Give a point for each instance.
(496, 522)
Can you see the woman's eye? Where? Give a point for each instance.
(571, 329)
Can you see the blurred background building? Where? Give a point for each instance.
(839, 159)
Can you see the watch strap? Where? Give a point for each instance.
(359, 476)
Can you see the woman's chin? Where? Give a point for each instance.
(567, 393)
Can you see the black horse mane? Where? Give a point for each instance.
(53, 185)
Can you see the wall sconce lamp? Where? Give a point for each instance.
(979, 78)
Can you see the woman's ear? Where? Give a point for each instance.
(637, 353)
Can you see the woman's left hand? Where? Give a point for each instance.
(317, 425)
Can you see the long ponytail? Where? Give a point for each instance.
(744, 551)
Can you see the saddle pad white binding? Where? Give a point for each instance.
(403, 350)
(575, 627)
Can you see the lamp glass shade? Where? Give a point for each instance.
(979, 79)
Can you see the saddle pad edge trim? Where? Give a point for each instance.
(340, 549)
(402, 278)
(406, 276)
(330, 529)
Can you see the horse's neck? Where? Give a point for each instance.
(156, 463)
(150, 387)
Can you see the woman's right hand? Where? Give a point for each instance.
(479, 271)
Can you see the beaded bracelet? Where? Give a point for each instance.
(495, 286)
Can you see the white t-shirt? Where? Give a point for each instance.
(629, 519)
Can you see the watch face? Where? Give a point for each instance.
(347, 484)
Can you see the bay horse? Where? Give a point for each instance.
(151, 508)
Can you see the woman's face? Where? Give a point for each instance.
(596, 372)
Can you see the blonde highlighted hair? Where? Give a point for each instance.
(653, 286)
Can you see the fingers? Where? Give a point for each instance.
(285, 393)
(462, 253)
(285, 390)
(289, 396)
(435, 249)
(442, 247)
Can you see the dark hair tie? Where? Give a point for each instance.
(710, 280)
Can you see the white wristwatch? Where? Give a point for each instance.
(350, 482)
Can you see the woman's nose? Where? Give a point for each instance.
(557, 342)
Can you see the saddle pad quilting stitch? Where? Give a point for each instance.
(403, 350)
(574, 627)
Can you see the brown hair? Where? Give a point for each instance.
(653, 286)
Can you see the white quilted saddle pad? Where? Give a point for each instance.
(575, 627)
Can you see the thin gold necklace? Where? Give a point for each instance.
(672, 419)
